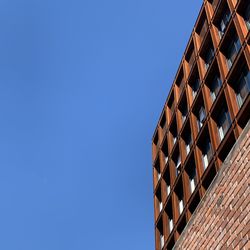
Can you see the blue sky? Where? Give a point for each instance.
(82, 84)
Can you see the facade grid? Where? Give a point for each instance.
(206, 110)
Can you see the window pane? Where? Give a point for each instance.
(192, 185)
(215, 87)
(232, 50)
(201, 115)
(247, 16)
(243, 87)
(171, 225)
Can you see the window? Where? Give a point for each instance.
(159, 176)
(192, 185)
(180, 81)
(179, 194)
(247, 16)
(183, 108)
(232, 50)
(208, 57)
(181, 206)
(188, 142)
(190, 56)
(223, 123)
(201, 117)
(206, 153)
(195, 87)
(187, 138)
(178, 165)
(160, 206)
(194, 81)
(165, 150)
(157, 168)
(192, 179)
(163, 121)
(156, 139)
(224, 22)
(170, 224)
(162, 241)
(168, 189)
(184, 112)
(173, 131)
(158, 195)
(215, 87)
(174, 139)
(190, 170)
(243, 87)
(167, 180)
(202, 26)
(214, 3)
(166, 159)
(171, 105)
(178, 162)
(169, 213)
(161, 234)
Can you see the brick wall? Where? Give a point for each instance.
(222, 219)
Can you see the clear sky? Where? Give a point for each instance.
(82, 84)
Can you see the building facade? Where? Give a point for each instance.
(206, 111)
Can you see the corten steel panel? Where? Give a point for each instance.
(205, 33)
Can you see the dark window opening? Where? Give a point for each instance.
(187, 138)
(205, 146)
(208, 54)
(208, 57)
(180, 81)
(227, 147)
(182, 224)
(199, 112)
(214, 3)
(163, 120)
(165, 150)
(171, 243)
(247, 15)
(173, 131)
(201, 116)
(157, 168)
(171, 104)
(223, 121)
(215, 86)
(158, 195)
(202, 26)
(194, 82)
(156, 139)
(169, 213)
(177, 161)
(179, 194)
(190, 57)
(194, 203)
(192, 175)
(209, 177)
(160, 229)
(222, 19)
(183, 109)
(195, 86)
(242, 87)
(231, 47)
(167, 181)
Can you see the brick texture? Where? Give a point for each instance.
(222, 219)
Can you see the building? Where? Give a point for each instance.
(202, 128)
